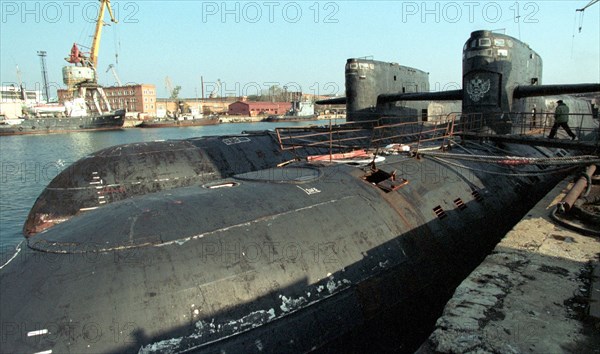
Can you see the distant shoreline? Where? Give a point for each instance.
(239, 119)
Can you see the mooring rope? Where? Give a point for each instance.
(518, 160)
(511, 174)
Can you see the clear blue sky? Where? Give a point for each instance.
(255, 44)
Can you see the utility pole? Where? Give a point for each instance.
(42, 55)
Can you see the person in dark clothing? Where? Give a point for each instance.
(561, 119)
(533, 117)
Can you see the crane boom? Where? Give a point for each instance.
(582, 11)
(588, 5)
(168, 85)
(98, 34)
(111, 68)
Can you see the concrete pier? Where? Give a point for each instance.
(531, 295)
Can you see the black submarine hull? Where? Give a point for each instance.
(282, 259)
(125, 171)
(216, 250)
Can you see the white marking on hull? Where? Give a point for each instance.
(17, 250)
(37, 333)
(88, 209)
(270, 217)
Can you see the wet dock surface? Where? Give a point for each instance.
(538, 292)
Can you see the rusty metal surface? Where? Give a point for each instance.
(582, 183)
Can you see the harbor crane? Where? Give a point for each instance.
(83, 75)
(582, 10)
(91, 60)
(168, 86)
(112, 69)
(42, 55)
(215, 91)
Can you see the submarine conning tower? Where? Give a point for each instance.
(494, 64)
(366, 79)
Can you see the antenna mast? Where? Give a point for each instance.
(19, 76)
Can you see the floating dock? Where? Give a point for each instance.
(538, 292)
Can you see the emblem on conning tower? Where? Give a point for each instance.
(477, 88)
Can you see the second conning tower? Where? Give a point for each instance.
(366, 79)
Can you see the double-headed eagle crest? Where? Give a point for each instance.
(477, 88)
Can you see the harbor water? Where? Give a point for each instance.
(30, 162)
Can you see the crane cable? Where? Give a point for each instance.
(117, 43)
(582, 10)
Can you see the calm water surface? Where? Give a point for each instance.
(30, 162)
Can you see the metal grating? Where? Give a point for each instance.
(439, 212)
(460, 204)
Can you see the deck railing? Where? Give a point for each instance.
(436, 132)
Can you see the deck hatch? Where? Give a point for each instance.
(387, 182)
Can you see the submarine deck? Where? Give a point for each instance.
(529, 295)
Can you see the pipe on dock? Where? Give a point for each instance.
(582, 183)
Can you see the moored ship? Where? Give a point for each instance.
(49, 125)
(166, 123)
(38, 118)
(300, 112)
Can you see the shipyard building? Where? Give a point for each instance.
(140, 98)
(253, 109)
